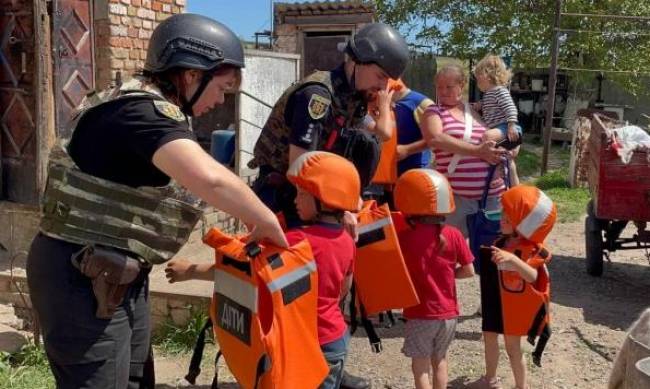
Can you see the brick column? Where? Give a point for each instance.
(122, 32)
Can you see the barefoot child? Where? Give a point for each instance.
(435, 255)
(497, 107)
(327, 186)
(515, 288)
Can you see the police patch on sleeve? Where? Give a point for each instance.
(169, 110)
(318, 106)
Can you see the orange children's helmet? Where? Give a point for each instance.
(330, 178)
(530, 211)
(423, 192)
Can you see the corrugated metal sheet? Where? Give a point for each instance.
(323, 7)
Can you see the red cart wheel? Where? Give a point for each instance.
(594, 246)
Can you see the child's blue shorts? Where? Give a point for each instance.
(503, 127)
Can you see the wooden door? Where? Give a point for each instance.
(320, 50)
(72, 38)
(18, 138)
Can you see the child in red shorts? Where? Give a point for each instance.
(436, 255)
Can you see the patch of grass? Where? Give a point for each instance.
(528, 163)
(26, 369)
(571, 202)
(553, 179)
(172, 339)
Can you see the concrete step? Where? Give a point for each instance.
(8, 317)
(11, 339)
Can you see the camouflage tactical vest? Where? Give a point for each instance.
(272, 147)
(84, 209)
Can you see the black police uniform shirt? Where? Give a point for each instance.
(117, 140)
(307, 130)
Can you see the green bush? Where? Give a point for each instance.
(172, 339)
(26, 369)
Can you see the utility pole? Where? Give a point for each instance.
(552, 81)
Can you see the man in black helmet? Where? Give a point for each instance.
(325, 111)
(106, 220)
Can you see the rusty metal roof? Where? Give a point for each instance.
(324, 7)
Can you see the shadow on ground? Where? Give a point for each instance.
(614, 300)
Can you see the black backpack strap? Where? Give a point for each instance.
(541, 345)
(373, 338)
(263, 365)
(197, 355)
(544, 335)
(353, 309)
(215, 379)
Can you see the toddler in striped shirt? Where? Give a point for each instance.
(497, 108)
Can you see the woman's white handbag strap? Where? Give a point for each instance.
(469, 124)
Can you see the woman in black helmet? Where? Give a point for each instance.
(105, 218)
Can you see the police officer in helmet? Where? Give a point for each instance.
(322, 110)
(325, 111)
(106, 219)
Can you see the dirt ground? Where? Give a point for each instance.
(589, 319)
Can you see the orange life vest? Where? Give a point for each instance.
(264, 313)
(513, 306)
(386, 172)
(381, 277)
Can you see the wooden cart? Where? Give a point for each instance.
(620, 194)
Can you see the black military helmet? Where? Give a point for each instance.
(193, 42)
(380, 44)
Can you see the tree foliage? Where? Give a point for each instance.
(523, 30)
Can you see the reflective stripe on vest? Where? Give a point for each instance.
(265, 309)
(240, 291)
(84, 209)
(380, 274)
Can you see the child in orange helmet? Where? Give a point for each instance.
(328, 185)
(515, 284)
(436, 255)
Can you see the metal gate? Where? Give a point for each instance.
(18, 151)
(74, 74)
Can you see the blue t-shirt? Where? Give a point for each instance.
(408, 112)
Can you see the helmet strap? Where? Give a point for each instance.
(320, 212)
(353, 78)
(188, 106)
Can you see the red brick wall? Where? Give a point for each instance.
(122, 32)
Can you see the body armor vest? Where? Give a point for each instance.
(381, 278)
(84, 209)
(264, 313)
(272, 147)
(512, 306)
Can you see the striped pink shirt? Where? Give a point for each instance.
(468, 180)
